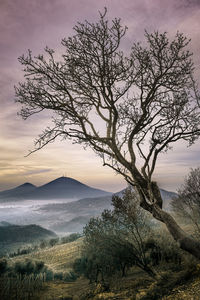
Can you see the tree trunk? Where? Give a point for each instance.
(185, 241)
(154, 206)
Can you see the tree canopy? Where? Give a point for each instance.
(128, 107)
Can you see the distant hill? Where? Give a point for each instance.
(19, 191)
(77, 213)
(26, 233)
(4, 224)
(82, 210)
(60, 188)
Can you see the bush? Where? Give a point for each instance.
(53, 242)
(28, 267)
(58, 276)
(163, 250)
(187, 205)
(70, 277)
(49, 274)
(3, 265)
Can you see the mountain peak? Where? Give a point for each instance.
(59, 188)
(64, 181)
(25, 187)
(67, 187)
(26, 184)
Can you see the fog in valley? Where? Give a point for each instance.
(25, 212)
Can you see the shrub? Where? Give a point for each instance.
(3, 265)
(53, 242)
(29, 267)
(70, 276)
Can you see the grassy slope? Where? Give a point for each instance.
(61, 257)
(58, 258)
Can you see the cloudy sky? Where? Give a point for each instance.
(33, 24)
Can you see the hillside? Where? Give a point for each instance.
(60, 259)
(60, 188)
(57, 258)
(28, 233)
(77, 213)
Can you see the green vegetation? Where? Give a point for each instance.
(55, 271)
(24, 276)
(123, 242)
(21, 248)
(116, 241)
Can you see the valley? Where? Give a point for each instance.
(63, 205)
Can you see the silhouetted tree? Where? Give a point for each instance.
(127, 108)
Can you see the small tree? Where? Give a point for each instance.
(116, 241)
(143, 103)
(53, 242)
(187, 204)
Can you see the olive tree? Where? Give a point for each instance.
(128, 108)
(116, 240)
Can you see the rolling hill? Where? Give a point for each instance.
(15, 237)
(78, 213)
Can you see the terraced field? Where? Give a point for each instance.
(58, 258)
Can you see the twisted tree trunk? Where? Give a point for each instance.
(185, 242)
(151, 201)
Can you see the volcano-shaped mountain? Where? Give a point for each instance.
(66, 187)
(60, 188)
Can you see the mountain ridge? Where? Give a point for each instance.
(59, 188)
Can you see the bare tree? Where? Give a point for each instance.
(187, 204)
(127, 108)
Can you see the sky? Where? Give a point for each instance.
(35, 24)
